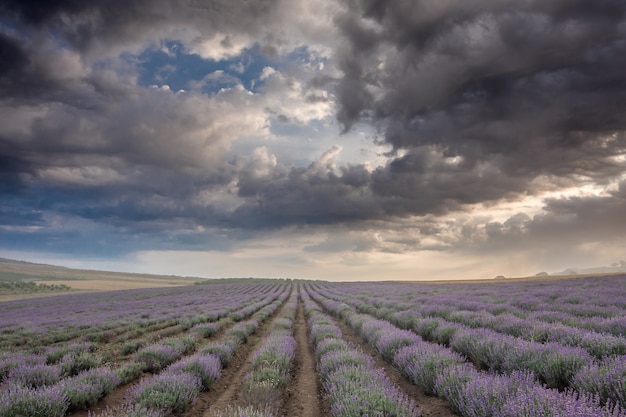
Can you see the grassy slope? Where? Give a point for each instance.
(79, 279)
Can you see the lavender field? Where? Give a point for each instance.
(316, 348)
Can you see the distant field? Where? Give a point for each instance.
(518, 279)
(78, 279)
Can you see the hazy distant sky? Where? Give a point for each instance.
(352, 139)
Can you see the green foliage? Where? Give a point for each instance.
(249, 411)
(223, 351)
(129, 411)
(129, 371)
(73, 363)
(30, 286)
(173, 393)
(267, 375)
(18, 401)
(132, 346)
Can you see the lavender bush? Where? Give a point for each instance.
(276, 352)
(606, 380)
(19, 359)
(86, 388)
(333, 360)
(171, 392)
(129, 371)
(536, 401)
(249, 411)
(206, 330)
(391, 341)
(132, 346)
(128, 410)
(184, 344)
(157, 357)
(263, 387)
(57, 353)
(34, 375)
(224, 350)
(20, 401)
(243, 330)
(358, 391)
(205, 367)
(423, 362)
(73, 363)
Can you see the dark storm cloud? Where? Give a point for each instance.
(19, 75)
(309, 195)
(92, 24)
(535, 88)
(481, 101)
(11, 170)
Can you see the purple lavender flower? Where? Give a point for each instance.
(334, 359)
(157, 357)
(393, 339)
(129, 410)
(20, 401)
(206, 330)
(223, 350)
(86, 388)
(330, 345)
(173, 392)
(249, 411)
(73, 363)
(207, 367)
(607, 380)
(34, 375)
(19, 359)
(423, 362)
(277, 352)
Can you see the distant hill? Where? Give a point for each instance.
(15, 271)
(614, 268)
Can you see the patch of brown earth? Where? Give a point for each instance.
(304, 395)
(227, 390)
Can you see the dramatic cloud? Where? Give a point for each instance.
(361, 133)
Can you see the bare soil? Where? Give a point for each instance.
(430, 406)
(304, 396)
(227, 390)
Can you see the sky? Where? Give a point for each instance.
(330, 139)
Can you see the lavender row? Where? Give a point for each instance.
(264, 386)
(442, 372)
(175, 389)
(89, 386)
(597, 304)
(75, 357)
(353, 386)
(61, 318)
(555, 365)
(531, 329)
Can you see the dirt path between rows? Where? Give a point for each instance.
(227, 390)
(304, 396)
(430, 406)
